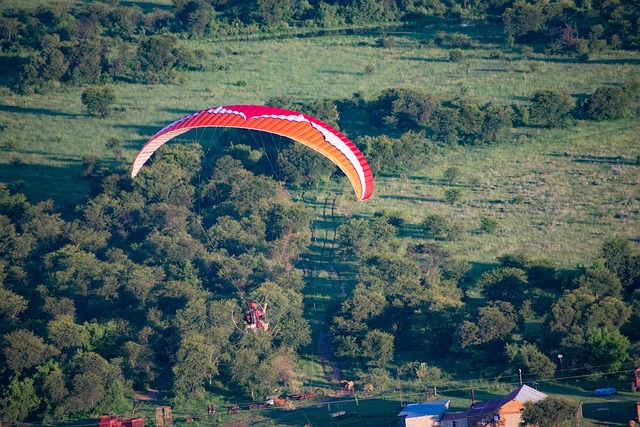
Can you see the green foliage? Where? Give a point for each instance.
(609, 102)
(378, 377)
(451, 174)
(378, 345)
(605, 347)
(456, 55)
(404, 108)
(623, 258)
(488, 225)
(386, 154)
(362, 239)
(18, 400)
(99, 101)
(147, 264)
(23, 350)
(529, 357)
(298, 164)
(194, 361)
(550, 412)
(498, 119)
(427, 374)
(550, 108)
(157, 55)
(11, 304)
(435, 225)
(452, 195)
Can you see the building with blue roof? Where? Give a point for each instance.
(427, 414)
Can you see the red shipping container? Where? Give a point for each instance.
(133, 422)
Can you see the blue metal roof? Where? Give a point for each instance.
(424, 409)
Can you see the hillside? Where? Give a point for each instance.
(501, 235)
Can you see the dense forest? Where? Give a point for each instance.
(144, 284)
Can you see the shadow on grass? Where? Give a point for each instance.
(610, 413)
(427, 59)
(37, 111)
(617, 61)
(413, 198)
(64, 185)
(361, 412)
(146, 6)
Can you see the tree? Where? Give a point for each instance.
(445, 125)
(505, 284)
(497, 121)
(404, 108)
(550, 108)
(99, 101)
(298, 164)
(605, 347)
(51, 381)
(11, 304)
(46, 68)
(90, 382)
(435, 225)
(496, 321)
(18, 400)
(609, 102)
(63, 332)
(623, 258)
(362, 238)
(452, 195)
(274, 13)
(601, 282)
(157, 57)
(193, 16)
(528, 356)
(84, 66)
(378, 345)
(23, 349)
(550, 412)
(194, 361)
(523, 18)
(456, 55)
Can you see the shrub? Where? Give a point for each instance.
(460, 40)
(488, 225)
(456, 55)
(498, 119)
(450, 174)
(452, 195)
(435, 225)
(99, 100)
(608, 102)
(445, 125)
(404, 108)
(550, 108)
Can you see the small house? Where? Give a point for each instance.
(505, 411)
(426, 414)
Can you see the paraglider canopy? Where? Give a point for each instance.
(300, 127)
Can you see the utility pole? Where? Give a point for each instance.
(520, 371)
(400, 387)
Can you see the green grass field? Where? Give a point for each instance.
(555, 193)
(576, 185)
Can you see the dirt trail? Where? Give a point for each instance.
(324, 357)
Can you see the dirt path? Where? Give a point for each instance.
(152, 394)
(324, 357)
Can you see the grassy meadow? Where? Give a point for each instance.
(555, 193)
(573, 186)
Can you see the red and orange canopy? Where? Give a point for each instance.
(297, 126)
